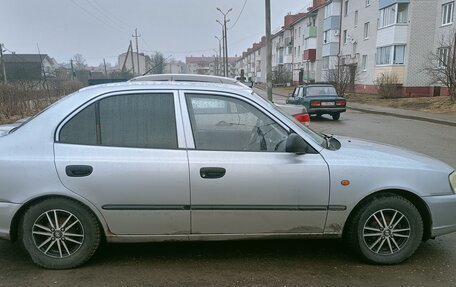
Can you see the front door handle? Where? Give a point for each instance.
(212, 172)
(78, 170)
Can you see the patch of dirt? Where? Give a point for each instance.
(438, 105)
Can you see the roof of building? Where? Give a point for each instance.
(25, 58)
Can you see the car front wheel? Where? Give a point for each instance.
(387, 230)
(59, 233)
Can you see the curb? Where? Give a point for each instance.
(418, 118)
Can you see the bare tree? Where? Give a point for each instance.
(441, 65)
(343, 77)
(79, 62)
(388, 85)
(281, 75)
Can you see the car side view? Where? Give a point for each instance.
(319, 99)
(156, 161)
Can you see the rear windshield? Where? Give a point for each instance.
(320, 91)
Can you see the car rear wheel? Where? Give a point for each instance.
(387, 230)
(59, 233)
(336, 116)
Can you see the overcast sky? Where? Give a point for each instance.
(100, 29)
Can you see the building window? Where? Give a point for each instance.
(447, 13)
(368, 2)
(346, 8)
(443, 54)
(366, 30)
(355, 46)
(299, 50)
(402, 13)
(364, 63)
(326, 36)
(356, 18)
(391, 55)
(328, 11)
(345, 37)
(325, 62)
(387, 16)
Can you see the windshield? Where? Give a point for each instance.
(320, 140)
(320, 91)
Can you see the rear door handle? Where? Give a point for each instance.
(212, 172)
(78, 170)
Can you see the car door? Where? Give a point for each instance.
(126, 154)
(242, 180)
(293, 96)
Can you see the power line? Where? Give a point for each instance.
(94, 16)
(239, 16)
(113, 16)
(105, 15)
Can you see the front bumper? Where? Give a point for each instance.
(317, 111)
(7, 211)
(443, 212)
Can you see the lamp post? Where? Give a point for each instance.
(219, 54)
(226, 37)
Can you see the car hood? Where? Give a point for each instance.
(367, 153)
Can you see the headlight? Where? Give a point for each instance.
(453, 181)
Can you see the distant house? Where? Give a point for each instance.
(29, 66)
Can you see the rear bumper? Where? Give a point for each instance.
(7, 211)
(316, 111)
(443, 211)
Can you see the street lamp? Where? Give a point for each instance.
(219, 54)
(225, 36)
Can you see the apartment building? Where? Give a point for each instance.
(129, 62)
(210, 65)
(372, 37)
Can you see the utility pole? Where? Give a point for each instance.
(5, 81)
(72, 70)
(131, 54)
(219, 55)
(268, 49)
(222, 55)
(137, 49)
(226, 38)
(106, 71)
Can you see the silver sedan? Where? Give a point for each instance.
(151, 161)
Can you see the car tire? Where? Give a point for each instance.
(59, 233)
(367, 235)
(336, 116)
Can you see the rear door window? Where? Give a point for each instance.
(134, 120)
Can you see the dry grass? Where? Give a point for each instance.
(438, 105)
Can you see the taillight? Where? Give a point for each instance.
(315, 103)
(303, 118)
(341, 103)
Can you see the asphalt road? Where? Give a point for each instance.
(265, 263)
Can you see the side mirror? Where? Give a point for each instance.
(295, 144)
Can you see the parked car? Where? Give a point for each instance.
(117, 162)
(319, 99)
(298, 112)
(245, 80)
(191, 78)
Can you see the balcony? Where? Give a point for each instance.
(310, 32)
(309, 55)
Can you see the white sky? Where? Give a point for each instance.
(100, 29)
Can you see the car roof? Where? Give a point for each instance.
(165, 85)
(186, 78)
